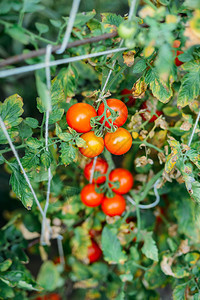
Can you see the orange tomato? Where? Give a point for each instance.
(116, 105)
(78, 116)
(114, 206)
(118, 142)
(125, 179)
(94, 144)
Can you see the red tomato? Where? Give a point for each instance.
(101, 166)
(94, 144)
(177, 61)
(125, 179)
(94, 252)
(53, 296)
(128, 94)
(118, 142)
(116, 105)
(154, 117)
(114, 206)
(78, 116)
(90, 197)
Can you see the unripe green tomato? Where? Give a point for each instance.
(141, 38)
(130, 43)
(127, 30)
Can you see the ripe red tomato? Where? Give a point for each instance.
(93, 232)
(116, 105)
(118, 142)
(128, 94)
(125, 179)
(94, 252)
(101, 166)
(78, 116)
(154, 117)
(53, 296)
(176, 44)
(90, 197)
(177, 61)
(114, 206)
(94, 144)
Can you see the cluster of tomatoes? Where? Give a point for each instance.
(119, 142)
(92, 196)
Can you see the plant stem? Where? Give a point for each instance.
(138, 220)
(16, 147)
(139, 266)
(147, 144)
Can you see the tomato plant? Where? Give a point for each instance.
(99, 149)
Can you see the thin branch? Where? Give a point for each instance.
(18, 58)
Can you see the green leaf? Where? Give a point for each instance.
(165, 60)
(149, 248)
(195, 191)
(111, 247)
(48, 276)
(42, 28)
(81, 19)
(64, 136)
(6, 292)
(190, 84)
(55, 23)
(68, 153)
(18, 33)
(80, 142)
(55, 115)
(2, 160)
(30, 160)
(69, 78)
(33, 123)
(110, 21)
(194, 156)
(20, 186)
(24, 130)
(179, 292)
(5, 265)
(46, 159)
(34, 143)
(11, 110)
(139, 66)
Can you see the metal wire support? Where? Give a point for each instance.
(20, 164)
(60, 249)
(72, 16)
(93, 168)
(48, 81)
(147, 206)
(193, 131)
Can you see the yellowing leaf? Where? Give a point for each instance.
(139, 88)
(161, 90)
(129, 58)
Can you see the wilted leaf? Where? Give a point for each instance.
(129, 58)
(139, 88)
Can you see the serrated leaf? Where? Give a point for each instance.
(11, 110)
(161, 90)
(69, 78)
(48, 276)
(45, 159)
(190, 84)
(80, 142)
(111, 247)
(20, 186)
(34, 143)
(139, 66)
(68, 153)
(82, 19)
(194, 156)
(30, 160)
(33, 123)
(43, 93)
(24, 130)
(149, 248)
(64, 136)
(139, 88)
(55, 23)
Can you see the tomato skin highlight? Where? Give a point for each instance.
(127, 93)
(154, 117)
(94, 252)
(94, 144)
(116, 105)
(90, 197)
(114, 206)
(125, 179)
(118, 142)
(101, 166)
(78, 116)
